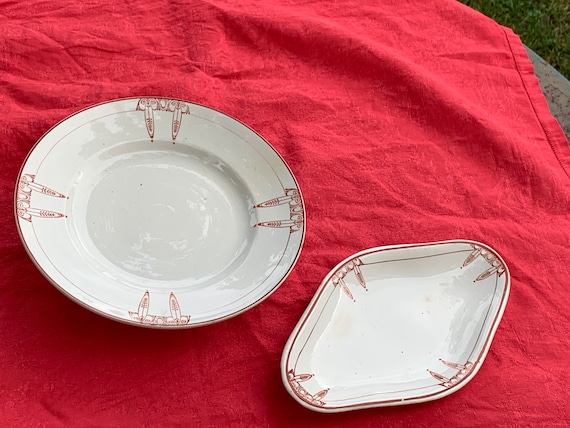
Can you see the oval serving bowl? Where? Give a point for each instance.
(397, 325)
(159, 212)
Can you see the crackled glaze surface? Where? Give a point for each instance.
(397, 325)
(159, 212)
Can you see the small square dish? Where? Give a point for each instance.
(397, 325)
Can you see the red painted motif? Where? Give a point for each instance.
(26, 186)
(142, 314)
(295, 380)
(463, 370)
(150, 105)
(351, 266)
(496, 265)
(296, 212)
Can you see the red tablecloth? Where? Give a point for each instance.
(404, 122)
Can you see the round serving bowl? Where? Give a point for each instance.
(159, 212)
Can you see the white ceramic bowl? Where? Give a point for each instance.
(397, 325)
(159, 212)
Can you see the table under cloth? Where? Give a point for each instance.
(404, 122)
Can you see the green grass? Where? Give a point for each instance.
(543, 25)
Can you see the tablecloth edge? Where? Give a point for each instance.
(550, 126)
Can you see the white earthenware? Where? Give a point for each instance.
(159, 212)
(397, 325)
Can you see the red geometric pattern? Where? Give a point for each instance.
(295, 380)
(149, 105)
(463, 372)
(27, 185)
(144, 317)
(296, 211)
(496, 265)
(341, 272)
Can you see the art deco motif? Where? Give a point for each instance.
(149, 105)
(463, 372)
(295, 383)
(496, 265)
(338, 276)
(144, 317)
(296, 212)
(26, 186)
